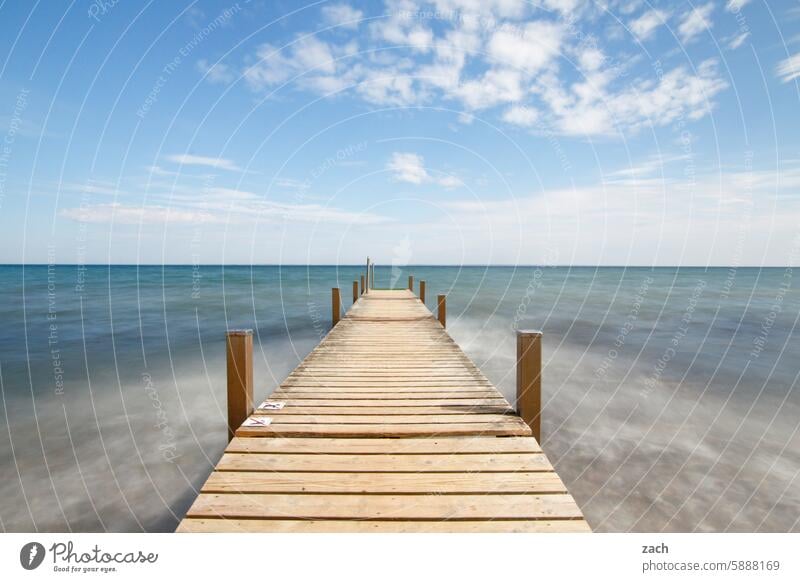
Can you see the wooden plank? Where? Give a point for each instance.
(370, 446)
(201, 525)
(385, 419)
(443, 403)
(344, 482)
(347, 506)
(413, 463)
(316, 411)
(387, 430)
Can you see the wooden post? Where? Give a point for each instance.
(529, 379)
(335, 303)
(422, 291)
(369, 275)
(355, 291)
(240, 377)
(411, 282)
(442, 307)
(362, 284)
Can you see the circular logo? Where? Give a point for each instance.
(31, 555)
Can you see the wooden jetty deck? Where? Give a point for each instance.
(386, 426)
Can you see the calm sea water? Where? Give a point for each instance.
(671, 399)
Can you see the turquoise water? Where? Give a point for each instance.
(670, 394)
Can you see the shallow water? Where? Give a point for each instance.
(670, 394)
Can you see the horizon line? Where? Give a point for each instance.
(379, 265)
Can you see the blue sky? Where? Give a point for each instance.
(620, 132)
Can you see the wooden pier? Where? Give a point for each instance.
(386, 426)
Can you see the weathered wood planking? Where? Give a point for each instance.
(386, 426)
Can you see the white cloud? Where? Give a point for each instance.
(128, 214)
(191, 160)
(306, 55)
(736, 5)
(521, 115)
(493, 55)
(590, 109)
(789, 69)
(220, 206)
(342, 15)
(410, 167)
(738, 40)
(644, 26)
(697, 20)
(215, 72)
(529, 48)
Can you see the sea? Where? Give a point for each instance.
(670, 395)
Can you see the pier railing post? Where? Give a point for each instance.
(529, 379)
(422, 291)
(411, 282)
(240, 377)
(362, 284)
(335, 305)
(442, 309)
(355, 291)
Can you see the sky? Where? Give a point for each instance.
(570, 132)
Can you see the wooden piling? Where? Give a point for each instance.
(411, 282)
(442, 309)
(240, 377)
(335, 304)
(355, 291)
(362, 284)
(529, 379)
(422, 291)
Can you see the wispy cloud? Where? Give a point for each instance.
(697, 20)
(410, 167)
(789, 69)
(215, 72)
(645, 25)
(342, 15)
(736, 5)
(192, 160)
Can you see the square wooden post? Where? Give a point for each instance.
(362, 284)
(442, 309)
(411, 282)
(240, 377)
(422, 291)
(529, 379)
(355, 291)
(335, 305)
